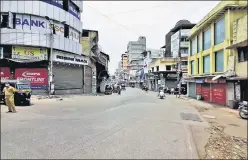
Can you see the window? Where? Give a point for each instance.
(152, 69)
(192, 67)
(168, 68)
(198, 65)
(219, 61)
(219, 31)
(193, 43)
(184, 62)
(157, 68)
(243, 54)
(207, 39)
(206, 64)
(198, 44)
(4, 20)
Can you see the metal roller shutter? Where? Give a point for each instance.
(88, 79)
(206, 92)
(219, 93)
(67, 77)
(192, 90)
(170, 84)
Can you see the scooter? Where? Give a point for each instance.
(243, 110)
(161, 94)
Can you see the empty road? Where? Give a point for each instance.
(134, 125)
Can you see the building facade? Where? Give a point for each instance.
(210, 63)
(33, 33)
(134, 56)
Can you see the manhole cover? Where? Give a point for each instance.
(190, 116)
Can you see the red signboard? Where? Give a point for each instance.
(198, 88)
(36, 76)
(206, 92)
(219, 93)
(4, 73)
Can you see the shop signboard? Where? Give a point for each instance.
(29, 53)
(1, 52)
(63, 57)
(74, 34)
(4, 73)
(73, 10)
(37, 76)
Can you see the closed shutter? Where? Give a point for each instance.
(192, 90)
(170, 84)
(67, 77)
(206, 92)
(219, 93)
(88, 79)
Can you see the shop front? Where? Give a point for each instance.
(68, 72)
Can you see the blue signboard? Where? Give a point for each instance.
(39, 87)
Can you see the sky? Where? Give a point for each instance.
(119, 22)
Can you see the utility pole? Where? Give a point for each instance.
(179, 64)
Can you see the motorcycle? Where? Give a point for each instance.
(243, 110)
(161, 94)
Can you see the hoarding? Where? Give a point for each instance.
(29, 53)
(86, 45)
(37, 76)
(175, 44)
(4, 73)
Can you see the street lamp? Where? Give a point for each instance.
(51, 85)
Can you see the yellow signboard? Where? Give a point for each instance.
(29, 53)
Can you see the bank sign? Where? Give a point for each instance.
(37, 23)
(29, 53)
(37, 76)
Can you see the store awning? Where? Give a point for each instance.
(239, 44)
(217, 77)
(24, 60)
(237, 78)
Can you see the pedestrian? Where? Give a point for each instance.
(9, 97)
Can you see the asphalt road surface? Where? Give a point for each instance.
(134, 124)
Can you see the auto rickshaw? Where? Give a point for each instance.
(23, 94)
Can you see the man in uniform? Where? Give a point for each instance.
(9, 97)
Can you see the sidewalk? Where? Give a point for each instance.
(228, 132)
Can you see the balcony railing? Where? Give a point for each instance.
(184, 44)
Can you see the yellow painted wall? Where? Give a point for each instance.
(161, 63)
(230, 16)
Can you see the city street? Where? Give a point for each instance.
(134, 125)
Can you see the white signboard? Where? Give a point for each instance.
(185, 32)
(63, 57)
(175, 44)
(73, 34)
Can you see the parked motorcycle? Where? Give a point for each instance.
(161, 94)
(243, 110)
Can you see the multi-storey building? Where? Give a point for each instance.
(134, 56)
(210, 62)
(40, 41)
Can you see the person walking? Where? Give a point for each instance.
(9, 97)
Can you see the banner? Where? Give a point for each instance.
(37, 76)
(29, 53)
(4, 73)
(175, 44)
